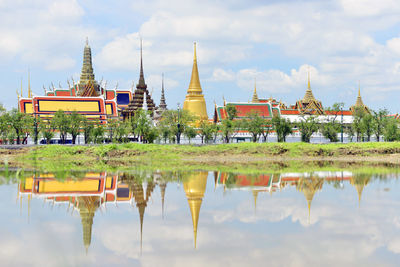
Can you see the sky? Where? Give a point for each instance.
(341, 42)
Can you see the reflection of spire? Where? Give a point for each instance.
(163, 186)
(87, 207)
(141, 204)
(359, 182)
(255, 195)
(194, 187)
(309, 186)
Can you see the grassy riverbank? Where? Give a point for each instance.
(246, 157)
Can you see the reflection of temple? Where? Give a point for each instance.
(304, 183)
(195, 186)
(90, 193)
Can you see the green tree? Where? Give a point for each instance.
(380, 120)
(4, 127)
(205, 131)
(143, 124)
(357, 124)
(190, 133)
(98, 132)
(231, 111)
(331, 127)
(165, 131)
(112, 126)
(215, 131)
(88, 130)
(75, 124)
(62, 122)
(367, 125)
(122, 131)
(172, 117)
(307, 127)
(282, 127)
(47, 130)
(21, 123)
(391, 130)
(350, 133)
(255, 124)
(228, 128)
(151, 134)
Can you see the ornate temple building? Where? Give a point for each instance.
(89, 97)
(194, 101)
(359, 103)
(141, 96)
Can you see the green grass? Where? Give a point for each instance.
(243, 157)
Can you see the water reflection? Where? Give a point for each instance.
(95, 193)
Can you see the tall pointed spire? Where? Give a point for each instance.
(359, 102)
(195, 102)
(162, 105)
(141, 77)
(29, 84)
(195, 86)
(87, 74)
(308, 97)
(255, 96)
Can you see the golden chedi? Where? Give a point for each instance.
(194, 187)
(195, 102)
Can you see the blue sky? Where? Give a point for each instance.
(341, 42)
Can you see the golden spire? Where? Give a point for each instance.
(195, 86)
(359, 102)
(21, 88)
(29, 84)
(87, 74)
(195, 186)
(255, 96)
(308, 97)
(195, 102)
(18, 100)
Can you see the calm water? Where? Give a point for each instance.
(200, 219)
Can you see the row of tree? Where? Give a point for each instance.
(16, 127)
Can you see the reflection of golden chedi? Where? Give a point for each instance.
(194, 101)
(195, 186)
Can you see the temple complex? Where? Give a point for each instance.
(194, 101)
(90, 97)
